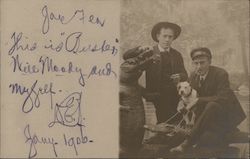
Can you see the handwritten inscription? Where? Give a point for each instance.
(74, 141)
(32, 94)
(54, 142)
(73, 43)
(38, 91)
(18, 44)
(50, 17)
(33, 140)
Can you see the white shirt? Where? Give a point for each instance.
(162, 50)
(203, 77)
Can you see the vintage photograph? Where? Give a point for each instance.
(184, 79)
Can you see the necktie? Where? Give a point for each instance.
(201, 81)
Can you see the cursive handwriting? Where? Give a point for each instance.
(73, 44)
(49, 17)
(46, 65)
(17, 45)
(76, 140)
(33, 140)
(24, 67)
(106, 71)
(68, 112)
(32, 94)
(49, 66)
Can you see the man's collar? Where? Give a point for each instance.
(204, 76)
(163, 50)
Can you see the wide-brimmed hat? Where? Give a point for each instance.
(176, 28)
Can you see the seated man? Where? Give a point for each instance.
(217, 110)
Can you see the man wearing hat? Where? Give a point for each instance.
(217, 110)
(165, 72)
(162, 76)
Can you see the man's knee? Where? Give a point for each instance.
(212, 106)
(209, 138)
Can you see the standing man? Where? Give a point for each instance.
(162, 76)
(217, 110)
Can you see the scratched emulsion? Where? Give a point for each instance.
(59, 85)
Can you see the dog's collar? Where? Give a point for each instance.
(189, 93)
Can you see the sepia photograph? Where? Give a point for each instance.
(184, 79)
(124, 79)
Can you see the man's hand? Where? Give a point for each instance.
(156, 58)
(176, 78)
(125, 108)
(151, 96)
(145, 48)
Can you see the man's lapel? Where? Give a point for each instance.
(157, 66)
(172, 59)
(195, 82)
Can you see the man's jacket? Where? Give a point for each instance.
(216, 88)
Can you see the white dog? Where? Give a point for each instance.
(188, 100)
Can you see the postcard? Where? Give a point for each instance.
(124, 79)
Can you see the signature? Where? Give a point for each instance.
(34, 139)
(32, 94)
(68, 112)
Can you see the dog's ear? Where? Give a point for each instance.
(189, 81)
(178, 86)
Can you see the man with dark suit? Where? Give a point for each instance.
(165, 72)
(217, 110)
(162, 76)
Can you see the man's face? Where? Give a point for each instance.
(201, 65)
(165, 37)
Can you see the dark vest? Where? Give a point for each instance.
(158, 74)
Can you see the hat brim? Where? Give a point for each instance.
(176, 28)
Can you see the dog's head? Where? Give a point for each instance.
(184, 89)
